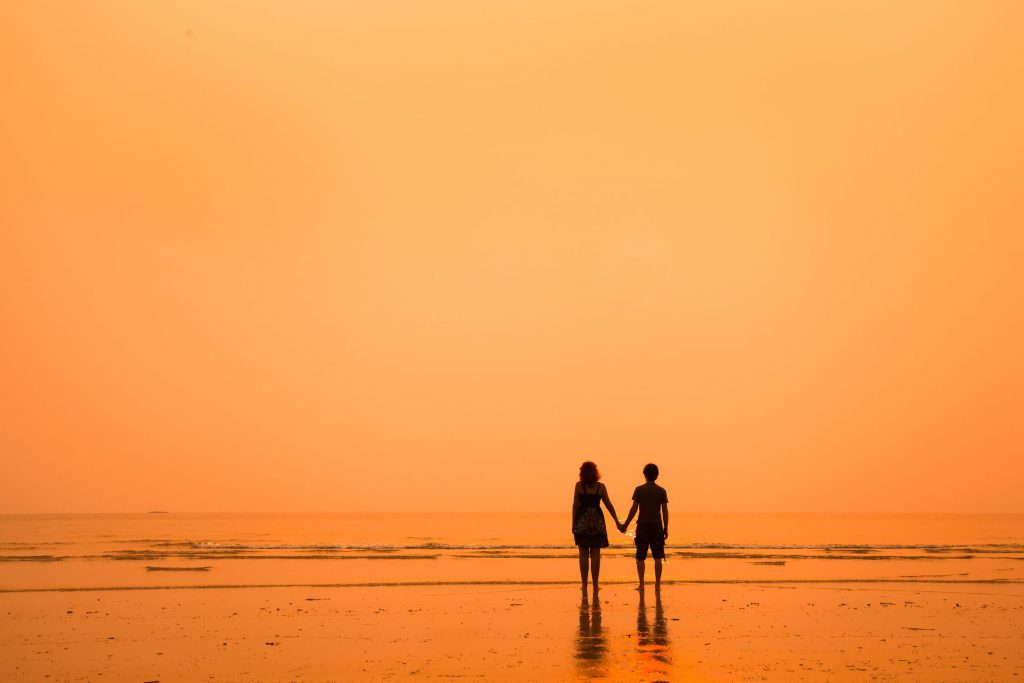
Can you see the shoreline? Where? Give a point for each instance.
(525, 582)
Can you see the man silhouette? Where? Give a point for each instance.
(651, 526)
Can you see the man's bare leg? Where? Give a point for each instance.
(657, 573)
(584, 552)
(640, 574)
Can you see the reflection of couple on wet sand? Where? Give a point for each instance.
(652, 642)
(588, 527)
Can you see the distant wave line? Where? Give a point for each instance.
(513, 582)
(615, 551)
(847, 547)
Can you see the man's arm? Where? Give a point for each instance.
(664, 517)
(632, 513)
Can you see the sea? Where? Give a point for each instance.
(161, 550)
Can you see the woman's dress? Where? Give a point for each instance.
(588, 528)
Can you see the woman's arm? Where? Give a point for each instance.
(608, 504)
(575, 504)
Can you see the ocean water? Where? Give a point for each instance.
(162, 550)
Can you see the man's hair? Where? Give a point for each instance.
(650, 471)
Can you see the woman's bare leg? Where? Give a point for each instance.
(584, 552)
(595, 564)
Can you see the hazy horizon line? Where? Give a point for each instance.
(503, 512)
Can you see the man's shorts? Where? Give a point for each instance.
(650, 536)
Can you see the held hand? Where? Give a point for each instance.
(621, 527)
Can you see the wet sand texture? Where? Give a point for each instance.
(537, 633)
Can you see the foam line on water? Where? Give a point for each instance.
(827, 547)
(512, 582)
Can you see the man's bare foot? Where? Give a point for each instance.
(639, 588)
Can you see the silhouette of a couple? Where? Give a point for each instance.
(588, 527)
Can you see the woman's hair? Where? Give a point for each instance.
(589, 473)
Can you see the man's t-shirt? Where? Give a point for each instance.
(650, 496)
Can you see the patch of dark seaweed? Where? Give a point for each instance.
(225, 549)
(129, 554)
(30, 558)
(151, 568)
(157, 542)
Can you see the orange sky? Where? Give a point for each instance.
(429, 255)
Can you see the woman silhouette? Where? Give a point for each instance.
(588, 528)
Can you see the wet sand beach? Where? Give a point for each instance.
(530, 632)
(343, 597)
